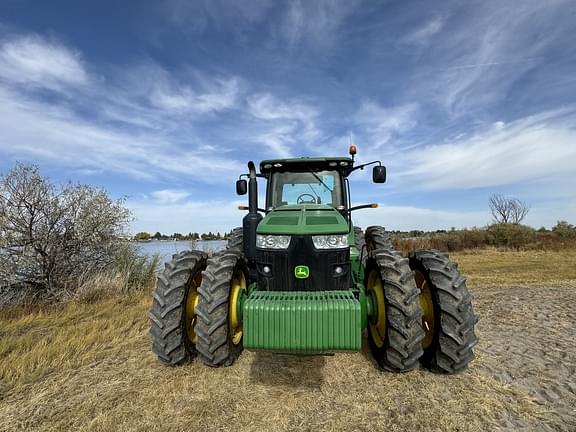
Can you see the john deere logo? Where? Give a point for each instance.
(301, 272)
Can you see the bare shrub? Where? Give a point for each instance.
(51, 236)
(507, 210)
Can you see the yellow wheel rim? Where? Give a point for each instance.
(378, 324)
(237, 287)
(427, 305)
(192, 299)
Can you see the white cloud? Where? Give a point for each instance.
(282, 123)
(60, 136)
(535, 148)
(201, 15)
(33, 60)
(267, 107)
(314, 24)
(381, 124)
(221, 95)
(479, 55)
(143, 128)
(424, 34)
(169, 94)
(169, 196)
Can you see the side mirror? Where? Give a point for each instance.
(241, 187)
(379, 174)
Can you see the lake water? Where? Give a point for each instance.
(168, 248)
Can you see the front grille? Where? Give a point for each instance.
(322, 265)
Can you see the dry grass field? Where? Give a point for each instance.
(89, 367)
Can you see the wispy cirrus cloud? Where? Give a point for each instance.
(169, 196)
(536, 148)
(37, 62)
(204, 15)
(380, 125)
(424, 34)
(484, 50)
(282, 123)
(126, 130)
(192, 94)
(61, 137)
(314, 24)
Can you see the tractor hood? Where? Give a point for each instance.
(303, 219)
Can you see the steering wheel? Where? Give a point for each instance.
(300, 199)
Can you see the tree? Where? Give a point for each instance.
(157, 236)
(142, 236)
(507, 210)
(564, 229)
(52, 235)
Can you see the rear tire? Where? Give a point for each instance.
(219, 343)
(236, 240)
(378, 238)
(452, 334)
(395, 335)
(169, 329)
(360, 243)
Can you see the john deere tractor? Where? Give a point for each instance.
(299, 277)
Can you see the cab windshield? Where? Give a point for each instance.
(319, 187)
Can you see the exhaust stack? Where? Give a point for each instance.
(253, 218)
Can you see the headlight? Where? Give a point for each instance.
(334, 241)
(272, 241)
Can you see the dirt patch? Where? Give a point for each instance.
(89, 367)
(528, 341)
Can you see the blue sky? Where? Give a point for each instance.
(165, 101)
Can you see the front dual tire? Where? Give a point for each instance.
(219, 327)
(420, 312)
(394, 330)
(448, 317)
(194, 309)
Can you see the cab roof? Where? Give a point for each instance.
(342, 164)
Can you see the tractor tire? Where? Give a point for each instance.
(378, 238)
(360, 243)
(451, 336)
(219, 340)
(394, 334)
(236, 240)
(170, 327)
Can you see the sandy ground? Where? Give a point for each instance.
(523, 378)
(528, 340)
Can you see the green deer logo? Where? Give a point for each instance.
(301, 272)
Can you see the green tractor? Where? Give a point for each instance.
(298, 277)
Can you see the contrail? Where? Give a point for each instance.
(477, 65)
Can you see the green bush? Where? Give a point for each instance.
(565, 230)
(139, 270)
(514, 236)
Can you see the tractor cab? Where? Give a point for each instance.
(306, 181)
